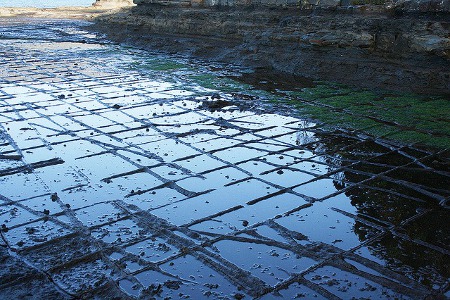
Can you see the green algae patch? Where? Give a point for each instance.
(405, 118)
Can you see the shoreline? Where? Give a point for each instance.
(360, 48)
(363, 48)
(264, 74)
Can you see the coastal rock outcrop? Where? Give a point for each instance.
(401, 5)
(365, 46)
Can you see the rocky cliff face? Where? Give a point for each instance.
(363, 46)
(404, 5)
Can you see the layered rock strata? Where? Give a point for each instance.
(365, 46)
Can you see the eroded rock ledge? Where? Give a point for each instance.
(365, 46)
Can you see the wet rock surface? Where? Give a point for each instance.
(364, 46)
(126, 174)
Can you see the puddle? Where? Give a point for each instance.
(270, 264)
(197, 281)
(195, 184)
(320, 223)
(422, 264)
(252, 214)
(346, 284)
(153, 250)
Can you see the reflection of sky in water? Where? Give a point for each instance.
(119, 148)
(45, 3)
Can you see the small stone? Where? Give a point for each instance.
(54, 197)
(238, 296)
(245, 223)
(4, 228)
(279, 172)
(30, 230)
(116, 106)
(62, 96)
(46, 212)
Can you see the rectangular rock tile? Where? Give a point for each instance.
(201, 136)
(287, 157)
(286, 177)
(200, 163)
(152, 250)
(99, 214)
(261, 211)
(170, 173)
(238, 154)
(267, 145)
(14, 89)
(298, 138)
(318, 189)
(320, 223)
(82, 196)
(118, 233)
(269, 263)
(213, 226)
(35, 233)
(15, 216)
(152, 281)
(59, 177)
(94, 121)
(312, 166)
(111, 165)
(151, 111)
(215, 144)
(212, 180)
(82, 277)
(199, 281)
(295, 291)
(344, 284)
(256, 167)
(179, 119)
(214, 202)
(43, 203)
(30, 186)
(153, 199)
(50, 255)
(170, 150)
